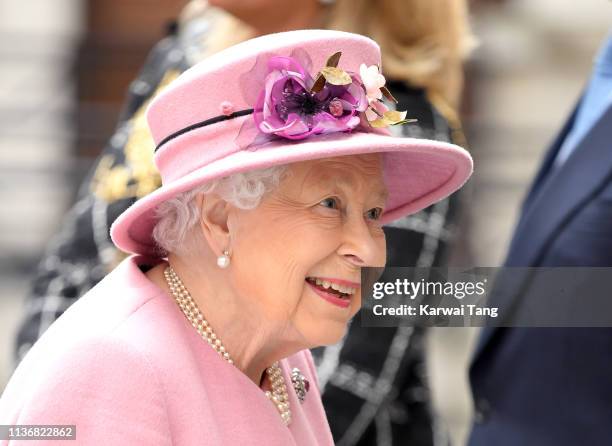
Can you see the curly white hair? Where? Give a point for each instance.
(178, 216)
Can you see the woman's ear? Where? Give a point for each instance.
(214, 214)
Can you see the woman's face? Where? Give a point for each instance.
(320, 223)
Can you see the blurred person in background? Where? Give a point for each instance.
(553, 386)
(374, 381)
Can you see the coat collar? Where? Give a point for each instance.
(555, 196)
(562, 193)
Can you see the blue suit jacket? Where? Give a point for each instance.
(552, 386)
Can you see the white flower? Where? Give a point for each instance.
(372, 80)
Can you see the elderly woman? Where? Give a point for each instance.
(278, 173)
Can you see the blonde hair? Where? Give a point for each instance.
(423, 42)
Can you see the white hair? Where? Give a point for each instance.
(177, 216)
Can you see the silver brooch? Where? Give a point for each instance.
(300, 384)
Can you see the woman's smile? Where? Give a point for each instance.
(335, 291)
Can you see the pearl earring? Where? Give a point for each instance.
(223, 261)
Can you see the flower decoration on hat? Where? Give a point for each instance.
(378, 114)
(294, 105)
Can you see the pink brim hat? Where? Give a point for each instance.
(417, 172)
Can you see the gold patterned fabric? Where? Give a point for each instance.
(137, 176)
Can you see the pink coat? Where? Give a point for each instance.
(125, 366)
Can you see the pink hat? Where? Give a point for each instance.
(279, 99)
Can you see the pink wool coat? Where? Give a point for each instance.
(126, 367)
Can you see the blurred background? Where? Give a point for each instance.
(66, 64)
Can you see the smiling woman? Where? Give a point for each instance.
(248, 255)
(319, 222)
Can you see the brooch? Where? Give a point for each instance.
(300, 384)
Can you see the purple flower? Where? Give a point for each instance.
(286, 106)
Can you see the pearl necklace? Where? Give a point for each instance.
(278, 395)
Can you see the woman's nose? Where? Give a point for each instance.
(362, 245)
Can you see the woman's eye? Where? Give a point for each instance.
(331, 202)
(375, 213)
